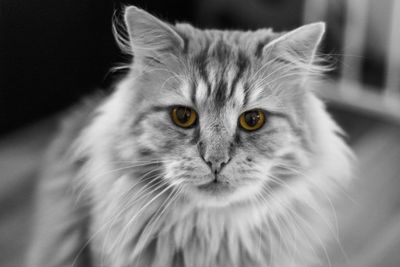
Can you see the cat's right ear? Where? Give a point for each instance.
(150, 37)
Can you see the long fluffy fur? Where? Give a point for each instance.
(143, 211)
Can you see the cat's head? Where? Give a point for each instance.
(220, 116)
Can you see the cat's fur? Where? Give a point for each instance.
(123, 180)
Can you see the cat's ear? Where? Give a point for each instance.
(149, 36)
(300, 44)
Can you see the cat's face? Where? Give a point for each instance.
(235, 141)
(221, 117)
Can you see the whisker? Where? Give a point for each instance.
(146, 190)
(101, 228)
(156, 217)
(141, 210)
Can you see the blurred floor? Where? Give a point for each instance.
(369, 213)
(20, 156)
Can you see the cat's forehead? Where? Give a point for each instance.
(218, 72)
(217, 41)
(222, 64)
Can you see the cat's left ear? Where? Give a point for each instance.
(301, 43)
(149, 36)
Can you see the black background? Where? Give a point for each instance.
(54, 52)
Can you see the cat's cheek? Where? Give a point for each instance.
(185, 171)
(171, 171)
(125, 149)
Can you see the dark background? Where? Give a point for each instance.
(54, 52)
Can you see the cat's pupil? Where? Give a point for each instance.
(183, 114)
(252, 117)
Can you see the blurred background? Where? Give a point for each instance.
(53, 53)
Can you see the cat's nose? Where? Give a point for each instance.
(216, 152)
(216, 163)
(216, 155)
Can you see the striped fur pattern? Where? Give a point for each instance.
(144, 177)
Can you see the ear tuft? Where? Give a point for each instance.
(148, 35)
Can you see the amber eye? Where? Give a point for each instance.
(252, 120)
(184, 117)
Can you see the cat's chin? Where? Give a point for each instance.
(217, 188)
(218, 193)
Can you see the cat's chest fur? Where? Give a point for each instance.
(195, 237)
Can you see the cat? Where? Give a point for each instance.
(213, 151)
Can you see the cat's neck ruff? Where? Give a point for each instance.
(186, 235)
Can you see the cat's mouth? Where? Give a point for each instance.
(216, 186)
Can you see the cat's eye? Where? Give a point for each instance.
(252, 120)
(183, 117)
